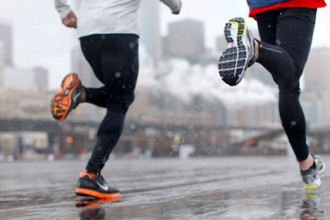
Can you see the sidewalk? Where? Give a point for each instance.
(205, 188)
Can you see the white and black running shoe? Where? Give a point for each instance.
(240, 52)
(311, 177)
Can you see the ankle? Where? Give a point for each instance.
(307, 163)
(91, 175)
(83, 95)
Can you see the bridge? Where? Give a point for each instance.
(72, 135)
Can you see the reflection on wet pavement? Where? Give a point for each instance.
(92, 208)
(95, 213)
(206, 188)
(92, 202)
(311, 207)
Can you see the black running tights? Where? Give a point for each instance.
(114, 60)
(286, 37)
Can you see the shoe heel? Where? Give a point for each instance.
(241, 28)
(227, 32)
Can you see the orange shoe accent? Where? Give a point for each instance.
(61, 104)
(89, 192)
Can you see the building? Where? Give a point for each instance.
(185, 40)
(41, 78)
(25, 78)
(28, 103)
(6, 36)
(9, 103)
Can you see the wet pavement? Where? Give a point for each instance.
(204, 188)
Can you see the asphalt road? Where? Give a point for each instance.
(204, 188)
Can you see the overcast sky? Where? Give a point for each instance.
(41, 40)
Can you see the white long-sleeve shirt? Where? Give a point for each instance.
(108, 16)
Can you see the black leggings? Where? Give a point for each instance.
(115, 62)
(286, 40)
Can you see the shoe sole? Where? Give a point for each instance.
(234, 60)
(60, 109)
(311, 187)
(89, 192)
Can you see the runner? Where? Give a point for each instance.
(108, 35)
(286, 30)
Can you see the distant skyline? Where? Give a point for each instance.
(41, 40)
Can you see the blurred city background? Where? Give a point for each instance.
(182, 108)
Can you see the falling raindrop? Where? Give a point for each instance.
(117, 74)
(132, 126)
(278, 42)
(131, 45)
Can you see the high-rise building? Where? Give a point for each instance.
(6, 36)
(185, 40)
(149, 26)
(41, 78)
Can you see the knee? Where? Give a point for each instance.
(121, 105)
(128, 102)
(289, 92)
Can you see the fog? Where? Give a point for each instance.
(183, 80)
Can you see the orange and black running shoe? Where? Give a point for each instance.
(67, 97)
(97, 188)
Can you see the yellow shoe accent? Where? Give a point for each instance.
(311, 187)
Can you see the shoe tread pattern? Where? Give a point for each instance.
(233, 61)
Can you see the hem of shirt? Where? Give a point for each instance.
(254, 12)
(121, 33)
